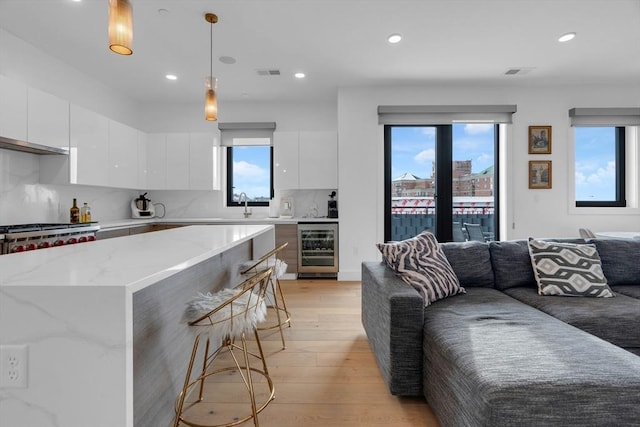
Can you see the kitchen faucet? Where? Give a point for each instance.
(247, 214)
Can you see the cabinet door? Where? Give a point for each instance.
(89, 147)
(143, 171)
(177, 161)
(318, 160)
(201, 168)
(285, 160)
(288, 233)
(13, 109)
(123, 155)
(156, 161)
(47, 119)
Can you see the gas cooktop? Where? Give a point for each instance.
(21, 228)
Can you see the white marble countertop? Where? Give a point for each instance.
(132, 263)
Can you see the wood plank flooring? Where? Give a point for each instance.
(326, 376)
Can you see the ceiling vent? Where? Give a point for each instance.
(268, 72)
(520, 71)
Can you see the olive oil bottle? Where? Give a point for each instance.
(74, 213)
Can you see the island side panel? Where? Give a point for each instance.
(76, 355)
(162, 341)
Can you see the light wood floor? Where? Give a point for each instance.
(327, 375)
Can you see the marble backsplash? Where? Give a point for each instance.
(24, 200)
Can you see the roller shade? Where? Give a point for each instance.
(246, 133)
(444, 114)
(605, 116)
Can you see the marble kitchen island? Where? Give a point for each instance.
(102, 322)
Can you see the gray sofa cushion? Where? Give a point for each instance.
(471, 261)
(512, 263)
(628, 290)
(620, 260)
(607, 318)
(492, 361)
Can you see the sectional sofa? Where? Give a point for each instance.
(502, 355)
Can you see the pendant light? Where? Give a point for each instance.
(120, 27)
(211, 83)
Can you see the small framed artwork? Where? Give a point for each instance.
(539, 139)
(539, 174)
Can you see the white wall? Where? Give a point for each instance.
(528, 212)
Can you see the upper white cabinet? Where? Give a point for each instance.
(156, 161)
(318, 153)
(305, 160)
(182, 161)
(143, 171)
(123, 155)
(285, 160)
(202, 161)
(177, 161)
(47, 119)
(13, 109)
(89, 147)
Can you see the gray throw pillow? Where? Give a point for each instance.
(421, 263)
(568, 269)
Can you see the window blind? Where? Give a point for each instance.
(605, 116)
(444, 114)
(248, 133)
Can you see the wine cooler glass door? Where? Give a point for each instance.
(318, 246)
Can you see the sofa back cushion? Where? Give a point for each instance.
(620, 260)
(471, 261)
(512, 263)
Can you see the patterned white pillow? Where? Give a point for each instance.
(568, 269)
(421, 263)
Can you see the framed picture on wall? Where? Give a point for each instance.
(539, 174)
(539, 139)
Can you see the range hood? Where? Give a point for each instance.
(30, 147)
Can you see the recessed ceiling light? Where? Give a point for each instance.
(171, 77)
(227, 59)
(566, 37)
(299, 75)
(394, 38)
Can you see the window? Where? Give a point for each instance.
(249, 162)
(599, 166)
(249, 171)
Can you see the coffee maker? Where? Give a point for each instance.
(332, 211)
(142, 207)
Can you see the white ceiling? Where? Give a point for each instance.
(337, 43)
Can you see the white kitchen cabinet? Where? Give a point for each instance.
(156, 161)
(285, 160)
(123, 155)
(305, 160)
(47, 119)
(89, 147)
(143, 172)
(201, 161)
(177, 161)
(318, 154)
(13, 109)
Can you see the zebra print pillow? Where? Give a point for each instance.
(421, 263)
(568, 269)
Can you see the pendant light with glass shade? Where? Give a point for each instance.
(211, 83)
(121, 27)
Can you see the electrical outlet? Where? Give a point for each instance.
(13, 366)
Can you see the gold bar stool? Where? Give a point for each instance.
(229, 316)
(275, 299)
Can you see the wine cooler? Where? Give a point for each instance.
(318, 250)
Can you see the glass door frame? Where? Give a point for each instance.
(443, 196)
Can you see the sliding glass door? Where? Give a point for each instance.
(441, 178)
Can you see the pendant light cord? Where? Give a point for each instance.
(211, 52)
